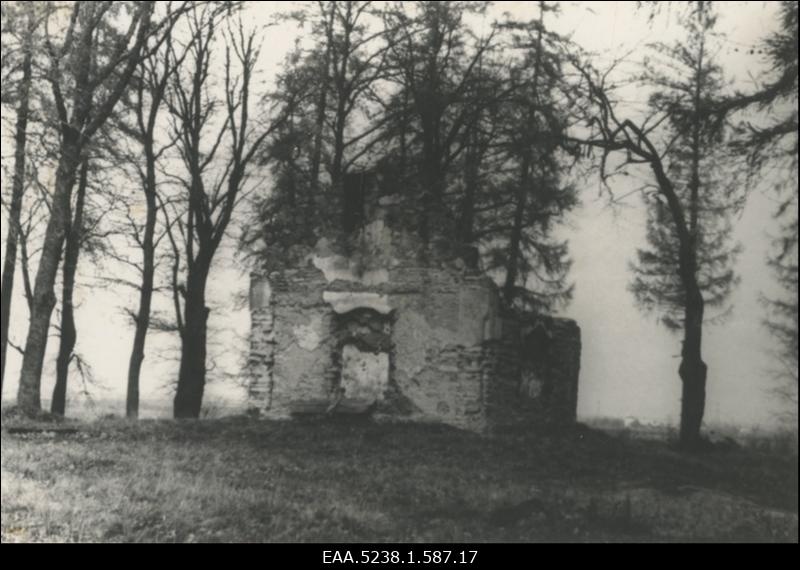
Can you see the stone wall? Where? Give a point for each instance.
(262, 342)
(437, 322)
(294, 360)
(375, 330)
(533, 372)
(560, 364)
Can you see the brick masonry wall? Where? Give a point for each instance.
(563, 363)
(453, 359)
(533, 370)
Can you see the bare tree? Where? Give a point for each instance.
(678, 187)
(152, 82)
(68, 333)
(213, 183)
(23, 93)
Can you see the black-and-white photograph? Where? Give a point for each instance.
(414, 282)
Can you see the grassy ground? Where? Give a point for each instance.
(245, 480)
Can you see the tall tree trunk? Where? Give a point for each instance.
(44, 299)
(75, 132)
(692, 369)
(319, 126)
(522, 191)
(466, 221)
(338, 187)
(145, 292)
(432, 194)
(68, 333)
(192, 375)
(71, 144)
(404, 126)
(340, 124)
(17, 191)
(693, 372)
(514, 243)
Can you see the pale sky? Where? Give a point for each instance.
(629, 362)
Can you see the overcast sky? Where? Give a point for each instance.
(629, 362)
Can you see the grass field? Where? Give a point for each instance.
(239, 479)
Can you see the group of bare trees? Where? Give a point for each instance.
(131, 85)
(475, 122)
(28, 23)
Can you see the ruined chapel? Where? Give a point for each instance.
(373, 327)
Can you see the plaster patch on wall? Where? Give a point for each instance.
(414, 337)
(365, 375)
(308, 336)
(375, 277)
(340, 268)
(344, 302)
(260, 294)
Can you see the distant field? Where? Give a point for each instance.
(779, 440)
(152, 409)
(239, 479)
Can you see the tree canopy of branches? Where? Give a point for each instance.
(532, 121)
(773, 149)
(329, 96)
(769, 147)
(704, 174)
(412, 92)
